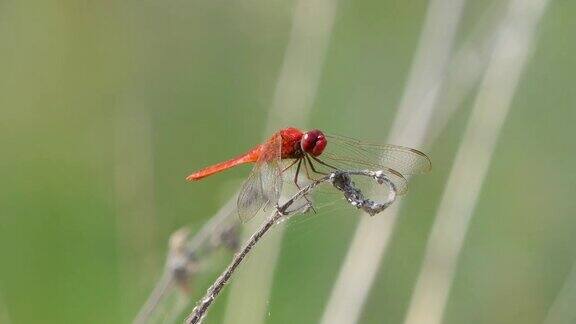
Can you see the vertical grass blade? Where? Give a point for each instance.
(409, 128)
(294, 95)
(511, 52)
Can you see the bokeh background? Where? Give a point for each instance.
(105, 106)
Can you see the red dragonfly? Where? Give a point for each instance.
(311, 151)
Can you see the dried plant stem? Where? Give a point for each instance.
(200, 310)
(202, 307)
(341, 180)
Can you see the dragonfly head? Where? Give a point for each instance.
(313, 142)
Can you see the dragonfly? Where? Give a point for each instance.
(316, 153)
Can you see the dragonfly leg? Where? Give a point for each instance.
(307, 175)
(291, 164)
(312, 166)
(307, 172)
(323, 163)
(297, 173)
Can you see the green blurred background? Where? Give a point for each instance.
(105, 106)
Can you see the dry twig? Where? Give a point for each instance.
(341, 180)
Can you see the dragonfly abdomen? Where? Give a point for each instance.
(249, 157)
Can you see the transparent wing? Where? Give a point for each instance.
(398, 162)
(263, 185)
(407, 161)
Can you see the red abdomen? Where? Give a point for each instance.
(251, 156)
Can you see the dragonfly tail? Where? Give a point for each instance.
(251, 156)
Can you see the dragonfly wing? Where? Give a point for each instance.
(270, 168)
(252, 197)
(405, 160)
(262, 187)
(398, 162)
(271, 179)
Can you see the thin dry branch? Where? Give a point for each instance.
(342, 181)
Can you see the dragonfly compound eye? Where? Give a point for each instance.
(313, 142)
